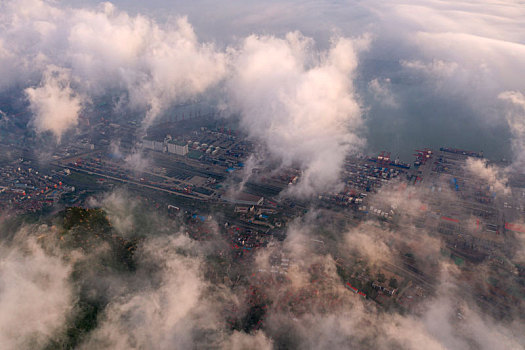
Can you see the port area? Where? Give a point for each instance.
(202, 175)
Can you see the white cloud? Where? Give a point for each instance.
(471, 49)
(300, 103)
(174, 307)
(244, 341)
(108, 51)
(381, 90)
(136, 161)
(120, 210)
(515, 116)
(55, 105)
(495, 177)
(35, 295)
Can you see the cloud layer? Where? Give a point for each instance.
(104, 50)
(186, 293)
(298, 100)
(35, 294)
(299, 103)
(469, 50)
(298, 97)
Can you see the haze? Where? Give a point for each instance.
(262, 174)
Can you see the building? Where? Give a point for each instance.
(148, 144)
(155, 145)
(177, 147)
(159, 146)
(243, 198)
(384, 288)
(243, 210)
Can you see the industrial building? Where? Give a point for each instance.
(155, 145)
(167, 145)
(177, 147)
(243, 198)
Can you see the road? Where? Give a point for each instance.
(136, 183)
